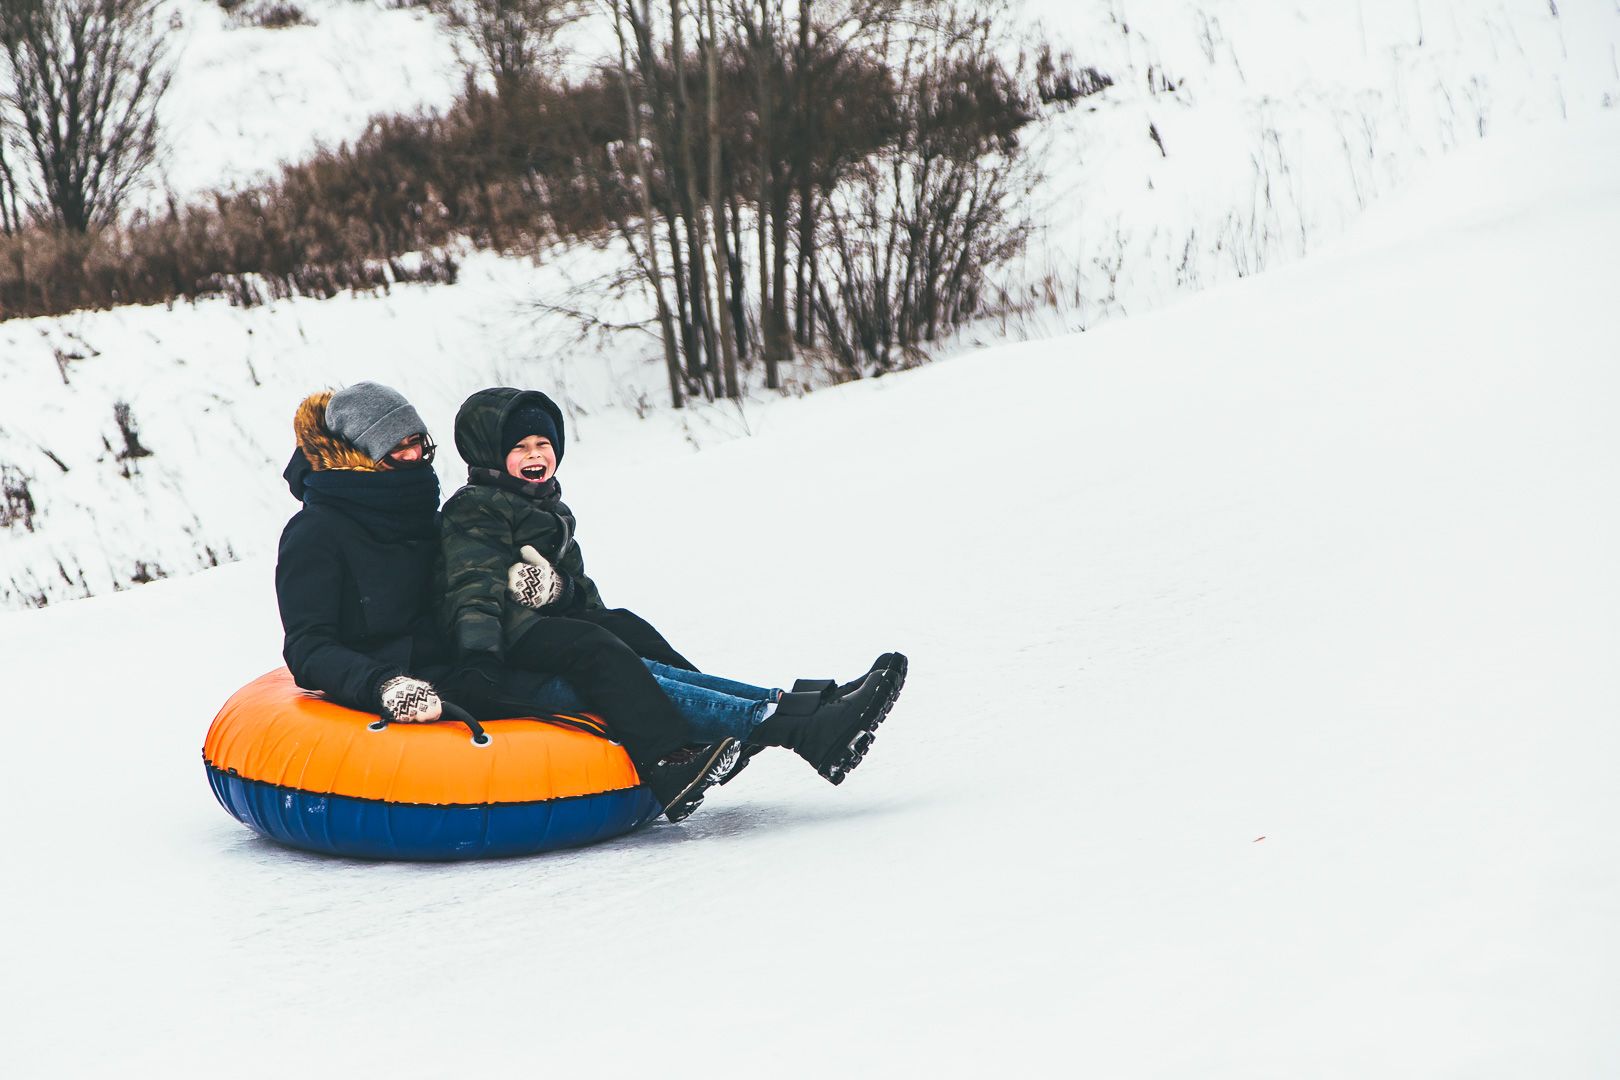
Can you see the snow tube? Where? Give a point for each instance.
(315, 775)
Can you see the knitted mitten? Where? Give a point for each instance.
(408, 700)
(534, 583)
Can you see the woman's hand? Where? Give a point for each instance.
(534, 582)
(409, 701)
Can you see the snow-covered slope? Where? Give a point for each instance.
(1236, 136)
(1261, 722)
(1240, 135)
(247, 99)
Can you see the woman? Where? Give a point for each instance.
(355, 565)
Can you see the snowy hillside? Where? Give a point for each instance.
(1239, 135)
(143, 443)
(1260, 723)
(247, 99)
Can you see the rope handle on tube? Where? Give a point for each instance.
(448, 710)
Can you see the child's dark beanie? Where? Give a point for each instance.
(530, 418)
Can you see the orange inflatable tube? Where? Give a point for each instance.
(404, 788)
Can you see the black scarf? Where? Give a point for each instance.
(393, 504)
(548, 493)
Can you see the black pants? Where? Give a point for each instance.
(607, 673)
(637, 633)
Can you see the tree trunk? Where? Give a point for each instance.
(672, 191)
(764, 55)
(734, 266)
(803, 79)
(672, 360)
(683, 305)
(696, 231)
(717, 207)
(779, 235)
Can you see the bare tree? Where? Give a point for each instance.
(85, 78)
(710, 45)
(874, 140)
(508, 37)
(912, 233)
(767, 66)
(10, 218)
(624, 14)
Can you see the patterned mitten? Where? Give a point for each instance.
(533, 582)
(408, 700)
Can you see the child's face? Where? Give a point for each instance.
(532, 459)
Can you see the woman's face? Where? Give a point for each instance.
(532, 459)
(410, 451)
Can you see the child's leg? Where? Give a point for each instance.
(712, 715)
(610, 680)
(531, 693)
(664, 673)
(639, 634)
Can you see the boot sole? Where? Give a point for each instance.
(722, 763)
(840, 767)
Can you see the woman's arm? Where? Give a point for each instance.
(310, 583)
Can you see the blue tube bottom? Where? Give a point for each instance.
(374, 829)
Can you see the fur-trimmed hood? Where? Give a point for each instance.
(318, 448)
(322, 448)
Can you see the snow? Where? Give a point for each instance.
(1278, 124)
(1285, 123)
(1260, 720)
(245, 99)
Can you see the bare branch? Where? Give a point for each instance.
(82, 81)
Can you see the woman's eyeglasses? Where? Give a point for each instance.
(421, 445)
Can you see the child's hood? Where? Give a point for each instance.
(483, 415)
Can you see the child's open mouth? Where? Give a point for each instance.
(534, 472)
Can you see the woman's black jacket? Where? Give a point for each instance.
(356, 599)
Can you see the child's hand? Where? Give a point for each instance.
(534, 583)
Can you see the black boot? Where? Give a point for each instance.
(831, 732)
(679, 779)
(829, 689)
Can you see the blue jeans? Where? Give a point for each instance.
(712, 707)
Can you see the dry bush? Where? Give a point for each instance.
(884, 185)
(251, 255)
(507, 39)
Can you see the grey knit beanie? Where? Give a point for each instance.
(373, 418)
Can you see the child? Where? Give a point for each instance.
(544, 614)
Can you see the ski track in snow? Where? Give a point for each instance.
(1260, 722)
